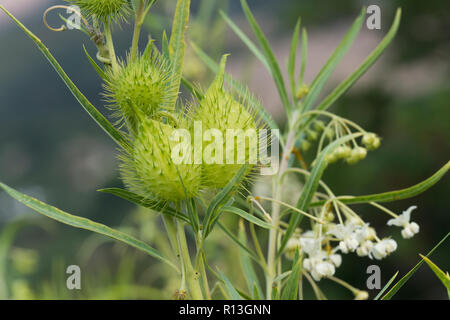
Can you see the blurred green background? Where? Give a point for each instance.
(51, 149)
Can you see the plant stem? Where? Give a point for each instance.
(192, 278)
(140, 15)
(110, 46)
(271, 265)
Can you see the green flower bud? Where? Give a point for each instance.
(311, 135)
(371, 141)
(329, 133)
(302, 91)
(103, 9)
(220, 110)
(140, 85)
(150, 169)
(357, 155)
(319, 125)
(305, 145)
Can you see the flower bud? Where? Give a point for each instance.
(371, 141)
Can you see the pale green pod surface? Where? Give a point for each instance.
(140, 85)
(220, 110)
(103, 9)
(151, 170)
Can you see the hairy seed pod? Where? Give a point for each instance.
(222, 111)
(150, 169)
(140, 85)
(103, 9)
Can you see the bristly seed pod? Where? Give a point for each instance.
(150, 170)
(143, 84)
(103, 9)
(223, 111)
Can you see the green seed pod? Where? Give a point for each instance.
(143, 84)
(222, 111)
(150, 169)
(103, 9)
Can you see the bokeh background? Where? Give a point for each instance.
(51, 149)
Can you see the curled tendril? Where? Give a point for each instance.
(63, 27)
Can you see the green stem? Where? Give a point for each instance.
(140, 15)
(192, 278)
(110, 46)
(277, 187)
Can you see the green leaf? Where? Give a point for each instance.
(304, 56)
(445, 279)
(165, 46)
(94, 64)
(253, 103)
(252, 47)
(270, 57)
(220, 199)
(403, 280)
(192, 89)
(310, 187)
(386, 286)
(247, 266)
(370, 60)
(290, 292)
(247, 216)
(83, 223)
(145, 202)
(319, 82)
(229, 287)
(395, 195)
(90, 109)
(177, 44)
(292, 57)
(236, 240)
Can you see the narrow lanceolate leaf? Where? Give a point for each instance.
(324, 74)
(231, 290)
(219, 201)
(83, 223)
(93, 112)
(268, 53)
(249, 43)
(177, 44)
(394, 195)
(253, 103)
(249, 272)
(445, 279)
(290, 291)
(403, 280)
(247, 216)
(386, 286)
(370, 60)
(310, 187)
(145, 202)
(292, 57)
(236, 240)
(94, 64)
(304, 56)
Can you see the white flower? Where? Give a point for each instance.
(291, 247)
(336, 259)
(403, 220)
(382, 249)
(323, 269)
(361, 295)
(346, 233)
(310, 246)
(364, 248)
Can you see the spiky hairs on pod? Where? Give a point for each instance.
(222, 110)
(103, 9)
(144, 84)
(150, 170)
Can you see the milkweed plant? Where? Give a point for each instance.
(195, 160)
